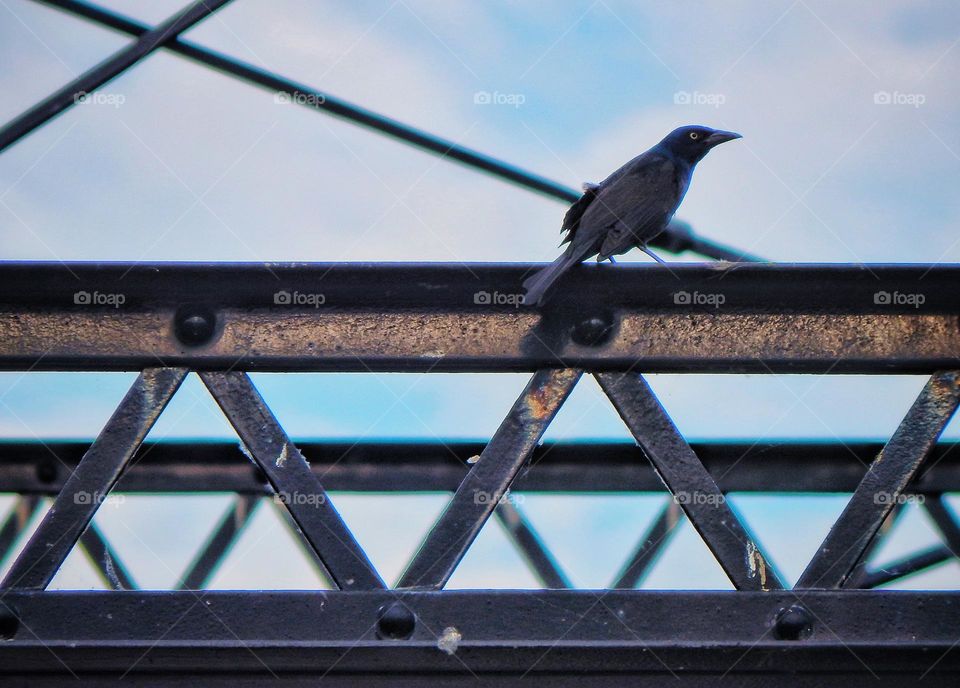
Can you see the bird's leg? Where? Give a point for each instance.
(612, 261)
(652, 254)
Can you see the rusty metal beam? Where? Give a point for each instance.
(489, 479)
(436, 317)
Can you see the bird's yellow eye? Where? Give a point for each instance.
(694, 135)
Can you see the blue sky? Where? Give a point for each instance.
(195, 166)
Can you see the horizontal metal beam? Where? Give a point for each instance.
(345, 317)
(602, 635)
(433, 466)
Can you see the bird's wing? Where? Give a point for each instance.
(636, 206)
(572, 219)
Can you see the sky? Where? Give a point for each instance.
(849, 113)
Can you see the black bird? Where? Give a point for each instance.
(631, 206)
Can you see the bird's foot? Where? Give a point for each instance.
(652, 255)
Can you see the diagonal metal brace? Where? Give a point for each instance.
(885, 480)
(651, 544)
(290, 475)
(693, 488)
(215, 549)
(489, 478)
(93, 478)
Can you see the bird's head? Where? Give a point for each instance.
(693, 142)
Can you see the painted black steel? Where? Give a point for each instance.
(93, 479)
(292, 480)
(693, 488)
(884, 483)
(489, 479)
(369, 465)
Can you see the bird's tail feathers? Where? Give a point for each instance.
(537, 285)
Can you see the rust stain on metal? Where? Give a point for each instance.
(339, 338)
(538, 402)
(543, 400)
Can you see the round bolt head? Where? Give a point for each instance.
(395, 622)
(46, 472)
(9, 623)
(793, 623)
(593, 331)
(195, 325)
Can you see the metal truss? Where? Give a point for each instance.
(222, 322)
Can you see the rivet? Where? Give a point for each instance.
(395, 622)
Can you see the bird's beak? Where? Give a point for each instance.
(719, 136)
